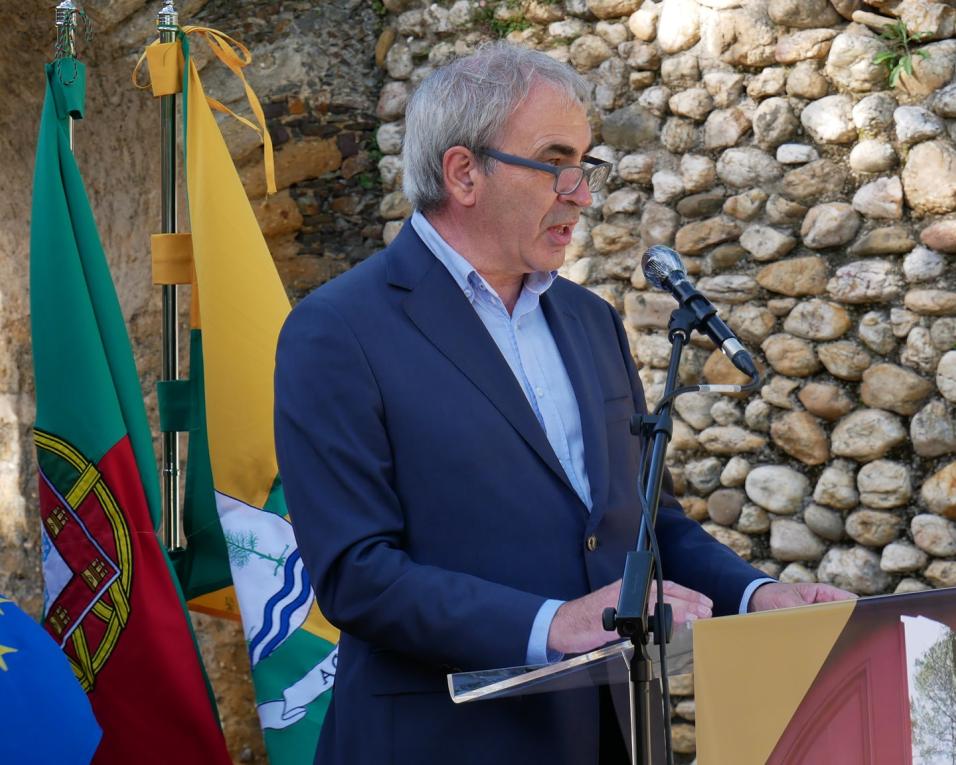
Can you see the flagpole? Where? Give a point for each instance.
(168, 22)
(66, 39)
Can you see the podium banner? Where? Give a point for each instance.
(866, 681)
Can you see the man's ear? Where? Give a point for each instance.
(461, 171)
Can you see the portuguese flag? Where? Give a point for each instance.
(236, 520)
(110, 601)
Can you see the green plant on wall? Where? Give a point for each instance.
(500, 27)
(898, 57)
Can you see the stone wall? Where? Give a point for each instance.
(813, 204)
(315, 72)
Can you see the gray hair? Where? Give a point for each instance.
(467, 103)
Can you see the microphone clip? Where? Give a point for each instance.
(696, 312)
(690, 315)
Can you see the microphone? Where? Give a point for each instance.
(664, 270)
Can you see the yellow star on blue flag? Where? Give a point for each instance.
(36, 687)
(4, 649)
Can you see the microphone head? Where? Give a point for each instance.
(659, 262)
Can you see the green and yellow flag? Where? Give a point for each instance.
(241, 307)
(111, 601)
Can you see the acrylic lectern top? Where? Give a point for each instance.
(604, 666)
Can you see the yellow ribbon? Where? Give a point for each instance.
(236, 57)
(172, 256)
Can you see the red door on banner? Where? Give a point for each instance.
(857, 710)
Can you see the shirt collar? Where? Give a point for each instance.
(461, 270)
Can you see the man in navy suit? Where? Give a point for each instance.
(452, 434)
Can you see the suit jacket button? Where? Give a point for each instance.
(592, 543)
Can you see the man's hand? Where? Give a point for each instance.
(779, 595)
(577, 627)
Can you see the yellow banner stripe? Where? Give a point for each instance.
(84, 483)
(317, 624)
(120, 602)
(113, 630)
(243, 305)
(121, 538)
(740, 717)
(85, 682)
(78, 638)
(61, 448)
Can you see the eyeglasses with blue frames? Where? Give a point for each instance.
(567, 178)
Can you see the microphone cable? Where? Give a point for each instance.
(750, 387)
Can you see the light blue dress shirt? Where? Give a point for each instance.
(525, 340)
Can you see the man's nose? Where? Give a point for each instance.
(581, 196)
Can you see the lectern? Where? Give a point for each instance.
(605, 666)
(864, 682)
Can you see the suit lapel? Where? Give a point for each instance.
(442, 313)
(575, 348)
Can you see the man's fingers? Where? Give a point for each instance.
(610, 591)
(686, 604)
(685, 593)
(824, 593)
(779, 595)
(684, 611)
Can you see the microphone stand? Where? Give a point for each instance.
(630, 619)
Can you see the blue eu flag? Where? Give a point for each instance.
(45, 717)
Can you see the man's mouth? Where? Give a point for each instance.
(561, 233)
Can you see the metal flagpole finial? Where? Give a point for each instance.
(67, 20)
(65, 12)
(168, 17)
